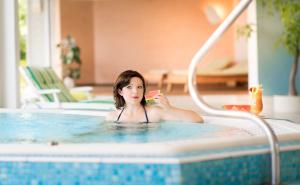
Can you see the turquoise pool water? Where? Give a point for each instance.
(67, 128)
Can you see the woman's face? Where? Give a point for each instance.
(133, 93)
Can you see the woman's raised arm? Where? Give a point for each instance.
(173, 113)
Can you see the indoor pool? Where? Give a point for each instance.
(40, 147)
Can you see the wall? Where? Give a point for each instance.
(141, 35)
(158, 34)
(77, 20)
(274, 63)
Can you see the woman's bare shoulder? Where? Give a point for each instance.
(111, 116)
(153, 108)
(154, 113)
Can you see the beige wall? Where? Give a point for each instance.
(140, 35)
(77, 20)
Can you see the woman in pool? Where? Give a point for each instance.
(129, 94)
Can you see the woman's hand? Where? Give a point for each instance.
(172, 113)
(162, 101)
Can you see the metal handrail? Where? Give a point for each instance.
(272, 138)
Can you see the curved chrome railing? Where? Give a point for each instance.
(273, 141)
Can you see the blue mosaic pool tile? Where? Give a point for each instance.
(242, 170)
(254, 169)
(87, 173)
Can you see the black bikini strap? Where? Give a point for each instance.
(147, 120)
(146, 114)
(120, 114)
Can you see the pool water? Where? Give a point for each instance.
(68, 128)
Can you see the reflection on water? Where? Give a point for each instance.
(117, 132)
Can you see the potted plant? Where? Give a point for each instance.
(289, 13)
(70, 56)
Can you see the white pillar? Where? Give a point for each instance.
(240, 43)
(38, 42)
(55, 36)
(9, 54)
(252, 47)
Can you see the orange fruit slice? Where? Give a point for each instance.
(246, 108)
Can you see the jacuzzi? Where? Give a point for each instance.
(67, 147)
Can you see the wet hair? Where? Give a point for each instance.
(122, 81)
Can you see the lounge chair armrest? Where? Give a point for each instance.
(85, 89)
(82, 89)
(54, 93)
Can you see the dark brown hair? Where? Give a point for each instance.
(124, 80)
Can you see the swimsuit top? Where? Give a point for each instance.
(147, 120)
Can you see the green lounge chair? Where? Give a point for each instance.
(52, 93)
